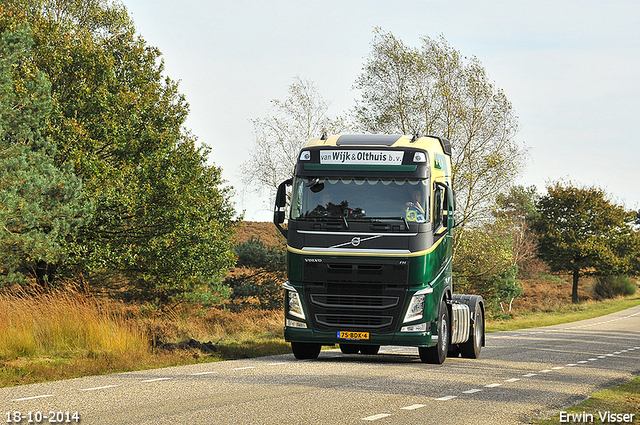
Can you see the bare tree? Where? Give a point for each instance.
(280, 135)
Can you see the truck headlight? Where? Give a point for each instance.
(293, 299)
(416, 307)
(295, 306)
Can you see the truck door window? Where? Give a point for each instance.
(438, 209)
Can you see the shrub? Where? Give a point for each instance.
(257, 281)
(613, 286)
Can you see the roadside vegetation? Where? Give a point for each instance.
(74, 331)
(611, 405)
(66, 334)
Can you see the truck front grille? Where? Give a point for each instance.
(349, 321)
(352, 294)
(354, 301)
(353, 307)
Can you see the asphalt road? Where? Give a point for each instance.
(520, 375)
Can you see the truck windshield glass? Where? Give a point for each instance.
(375, 199)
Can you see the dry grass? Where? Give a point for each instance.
(64, 324)
(65, 334)
(266, 231)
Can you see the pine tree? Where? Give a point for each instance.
(40, 203)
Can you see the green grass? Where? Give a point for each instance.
(619, 400)
(566, 314)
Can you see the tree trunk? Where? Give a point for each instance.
(574, 292)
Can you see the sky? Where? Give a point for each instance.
(571, 70)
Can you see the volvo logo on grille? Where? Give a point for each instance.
(355, 241)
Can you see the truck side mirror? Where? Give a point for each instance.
(281, 203)
(449, 206)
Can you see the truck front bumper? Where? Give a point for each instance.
(409, 339)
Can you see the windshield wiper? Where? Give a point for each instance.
(346, 225)
(340, 218)
(401, 218)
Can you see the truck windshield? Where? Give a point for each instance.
(359, 199)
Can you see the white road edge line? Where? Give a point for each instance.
(244, 368)
(33, 398)
(156, 379)
(202, 373)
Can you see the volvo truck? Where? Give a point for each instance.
(369, 223)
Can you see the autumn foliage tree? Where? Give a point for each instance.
(583, 233)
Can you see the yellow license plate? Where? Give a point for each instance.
(353, 335)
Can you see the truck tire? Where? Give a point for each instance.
(471, 348)
(349, 348)
(438, 353)
(305, 351)
(369, 349)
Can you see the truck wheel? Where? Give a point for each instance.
(349, 348)
(471, 348)
(369, 349)
(438, 353)
(304, 350)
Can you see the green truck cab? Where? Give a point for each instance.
(369, 249)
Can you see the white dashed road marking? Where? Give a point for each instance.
(413, 407)
(446, 398)
(33, 398)
(376, 417)
(98, 388)
(156, 379)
